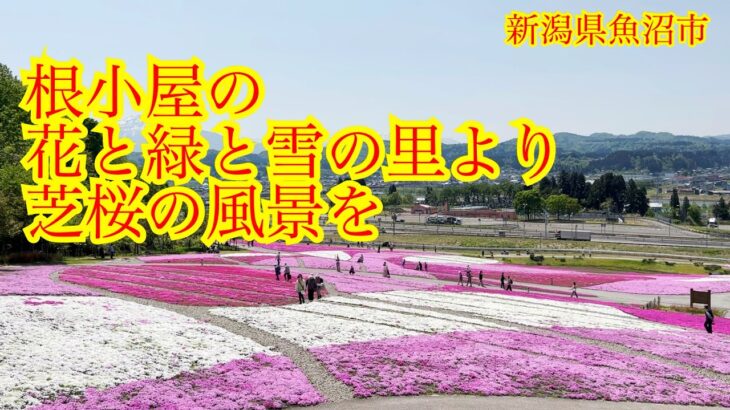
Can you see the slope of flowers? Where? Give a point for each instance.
(303, 247)
(36, 280)
(63, 347)
(479, 363)
(196, 258)
(522, 310)
(404, 343)
(358, 283)
(534, 274)
(262, 382)
(685, 320)
(668, 285)
(310, 329)
(187, 284)
(403, 320)
(722, 325)
(535, 290)
(693, 348)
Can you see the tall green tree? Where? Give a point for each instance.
(694, 214)
(12, 149)
(529, 203)
(561, 205)
(684, 209)
(720, 209)
(608, 186)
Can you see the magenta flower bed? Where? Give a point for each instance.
(477, 363)
(189, 258)
(721, 325)
(312, 247)
(253, 259)
(532, 274)
(37, 281)
(149, 292)
(262, 382)
(271, 261)
(669, 285)
(689, 347)
(535, 292)
(188, 284)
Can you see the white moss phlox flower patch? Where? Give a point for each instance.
(62, 345)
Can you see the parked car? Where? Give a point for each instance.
(452, 220)
(436, 220)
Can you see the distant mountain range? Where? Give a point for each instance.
(644, 151)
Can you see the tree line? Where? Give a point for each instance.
(568, 193)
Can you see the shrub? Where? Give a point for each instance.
(30, 257)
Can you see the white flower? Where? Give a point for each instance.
(100, 342)
(522, 310)
(310, 329)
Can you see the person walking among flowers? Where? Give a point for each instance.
(509, 283)
(574, 291)
(481, 278)
(287, 272)
(461, 279)
(709, 319)
(300, 288)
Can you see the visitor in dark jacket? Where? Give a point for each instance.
(709, 319)
(311, 288)
(320, 286)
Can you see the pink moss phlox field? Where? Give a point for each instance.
(721, 325)
(262, 382)
(533, 274)
(535, 292)
(477, 363)
(668, 285)
(211, 258)
(355, 284)
(271, 261)
(303, 247)
(694, 348)
(252, 259)
(188, 284)
(37, 280)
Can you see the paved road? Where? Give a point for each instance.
(499, 402)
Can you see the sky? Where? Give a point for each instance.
(357, 62)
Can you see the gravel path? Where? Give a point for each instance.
(462, 402)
